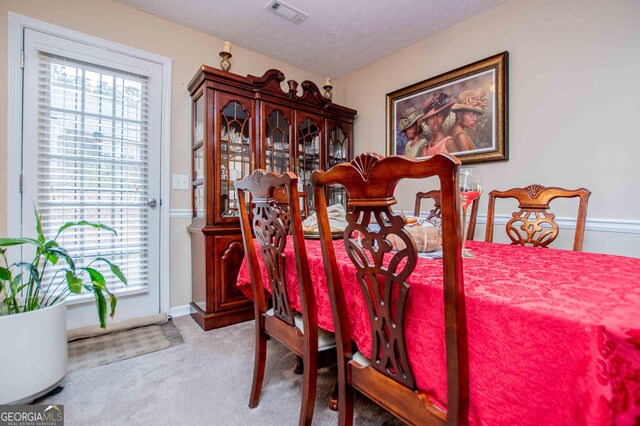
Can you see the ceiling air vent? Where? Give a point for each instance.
(287, 12)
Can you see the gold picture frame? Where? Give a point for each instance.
(463, 112)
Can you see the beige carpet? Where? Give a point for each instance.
(204, 381)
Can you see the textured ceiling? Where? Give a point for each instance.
(338, 37)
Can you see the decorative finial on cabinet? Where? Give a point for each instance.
(327, 88)
(225, 65)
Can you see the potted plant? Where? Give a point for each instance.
(33, 316)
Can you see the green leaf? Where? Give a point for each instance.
(5, 274)
(17, 279)
(60, 252)
(33, 272)
(113, 301)
(38, 224)
(16, 285)
(20, 287)
(96, 277)
(115, 269)
(51, 258)
(6, 242)
(84, 223)
(74, 283)
(118, 273)
(101, 305)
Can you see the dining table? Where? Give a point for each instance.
(553, 335)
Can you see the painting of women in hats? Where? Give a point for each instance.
(461, 112)
(468, 107)
(408, 124)
(436, 110)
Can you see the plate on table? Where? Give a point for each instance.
(434, 255)
(315, 235)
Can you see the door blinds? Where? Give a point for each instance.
(93, 162)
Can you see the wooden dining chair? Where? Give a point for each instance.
(276, 222)
(304, 201)
(534, 225)
(434, 213)
(384, 278)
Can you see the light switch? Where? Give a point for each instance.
(181, 182)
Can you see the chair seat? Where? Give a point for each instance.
(326, 339)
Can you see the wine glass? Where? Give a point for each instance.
(470, 189)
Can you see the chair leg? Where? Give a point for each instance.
(258, 366)
(333, 400)
(299, 367)
(310, 378)
(345, 399)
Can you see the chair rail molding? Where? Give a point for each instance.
(180, 214)
(620, 226)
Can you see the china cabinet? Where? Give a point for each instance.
(240, 124)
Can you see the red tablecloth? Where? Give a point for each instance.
(554, 335)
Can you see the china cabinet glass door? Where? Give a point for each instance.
(338, 146)
(236, 153)
(277, 141)
(308, 154)
(198, 158)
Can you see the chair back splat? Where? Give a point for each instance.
(534, 225)
(383, 276)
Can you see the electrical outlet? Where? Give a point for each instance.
(180, 181)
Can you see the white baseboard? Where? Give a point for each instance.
(178, 311)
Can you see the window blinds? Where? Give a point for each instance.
(93, 163)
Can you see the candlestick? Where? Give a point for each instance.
(327, 88)
(225, 65)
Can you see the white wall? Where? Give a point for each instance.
(188, 49)
(574, 103)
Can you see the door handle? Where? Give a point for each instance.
(152, 202)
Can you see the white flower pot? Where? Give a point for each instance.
(33, 358)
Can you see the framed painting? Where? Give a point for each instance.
(462, 112)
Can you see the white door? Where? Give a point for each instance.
(91, 151)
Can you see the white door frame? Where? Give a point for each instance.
(16, 25)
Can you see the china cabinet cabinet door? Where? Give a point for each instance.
(309, 157)
(338, 151)
(236, 156)
(228, 255)
(277, 135)
(198, 147)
